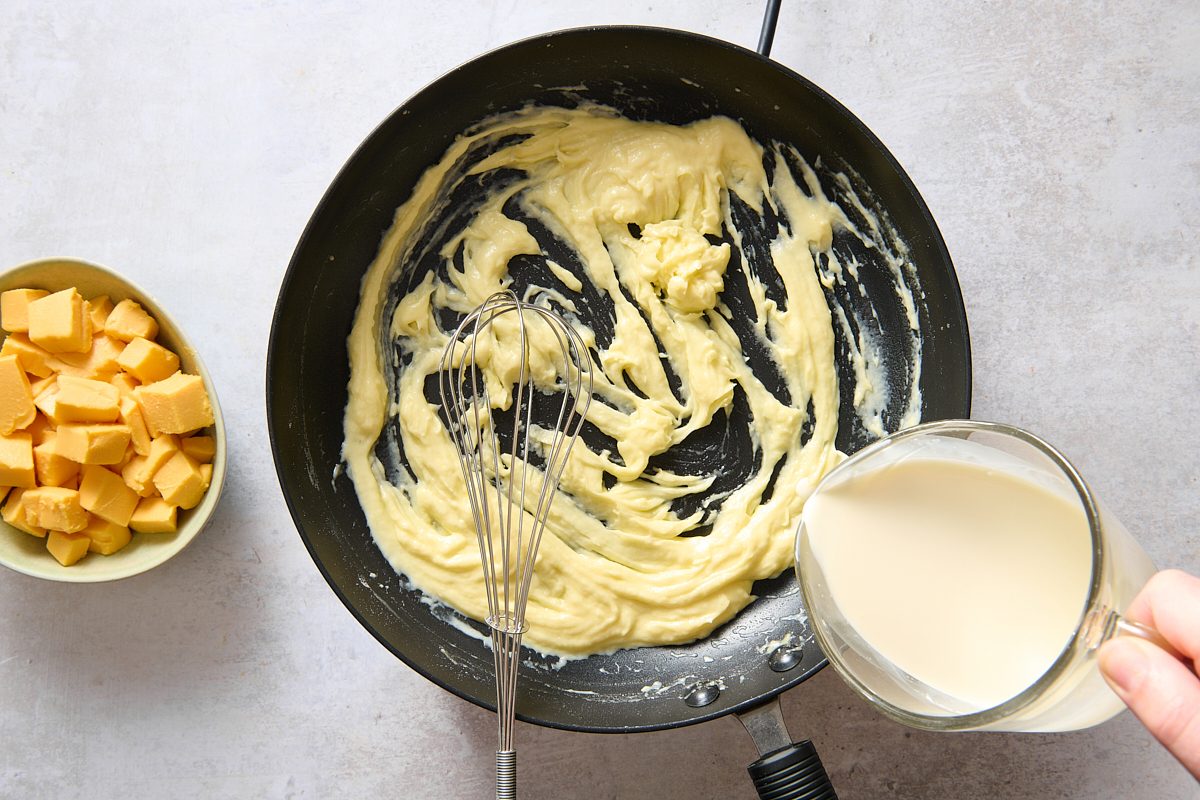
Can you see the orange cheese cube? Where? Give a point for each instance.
(154, 515)
(162, 448)
(16, 460)
(51, 468)
(124, 382)
(40, 429)
(14, 514)
(178, 404)
(138, 477)
(180, 482)
(128, 320)
(131, 415)
(99, 362)
(34, 359)
(67, 547)
(14, 308)
(130, 455)
(46, 401)
(40, 385)
(104, 494)
(93, 444)
(57, 323)
(139, 472)
(54, 507)
(98, 309)
(86, 400)
(147, 361)
(16, 396)
(199, 448)
(107, 537)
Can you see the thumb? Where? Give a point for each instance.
(1161, 691)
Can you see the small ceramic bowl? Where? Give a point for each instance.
(24, 553)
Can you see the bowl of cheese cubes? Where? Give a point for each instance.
(112, 446)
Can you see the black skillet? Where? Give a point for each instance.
(647, 73)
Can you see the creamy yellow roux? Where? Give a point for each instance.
(613, 569)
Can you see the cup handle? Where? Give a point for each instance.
(1109, 624)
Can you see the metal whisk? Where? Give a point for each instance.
(515, 382)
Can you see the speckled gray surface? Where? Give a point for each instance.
(1058, 146)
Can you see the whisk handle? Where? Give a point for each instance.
(506, 774)
(794, 772)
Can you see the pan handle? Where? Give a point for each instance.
(786, 770)
(767, 37)
(794, 772)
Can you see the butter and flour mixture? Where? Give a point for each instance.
(707, 274)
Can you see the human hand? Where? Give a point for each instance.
(1161, 690)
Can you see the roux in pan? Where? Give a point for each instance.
(703, 270)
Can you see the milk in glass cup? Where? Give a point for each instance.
(960, 575)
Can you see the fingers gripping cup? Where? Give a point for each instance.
(961, 575)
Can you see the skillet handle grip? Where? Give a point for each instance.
(794, 772)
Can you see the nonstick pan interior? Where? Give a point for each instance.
(646, 73)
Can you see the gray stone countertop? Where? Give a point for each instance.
(185, 145)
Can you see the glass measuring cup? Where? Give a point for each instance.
(1068, 693)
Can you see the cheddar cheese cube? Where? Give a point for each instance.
(154, 515)
(107, 537)
(58, 324)
(147, 361)
(40, 385)
(14, 514)
(131, 415)
(128, 320)
(162, 448)
(138, 477)
(199, 448)
(16, 396)
(98, 309)
(130, 455)
(178, 404)
(46, 402)
(34, 360)
(52, 469)
(99, 362)
(124, 382)
(67, 547)
(180, 481)
(93, 444)
(14, 308)
(86, 400)
(139, 472)
(54, 507)
(104, 494)
(40, 429)
(16, 460)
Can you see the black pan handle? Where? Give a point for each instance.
(794, 772)
(786, 770)
(767, 37)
